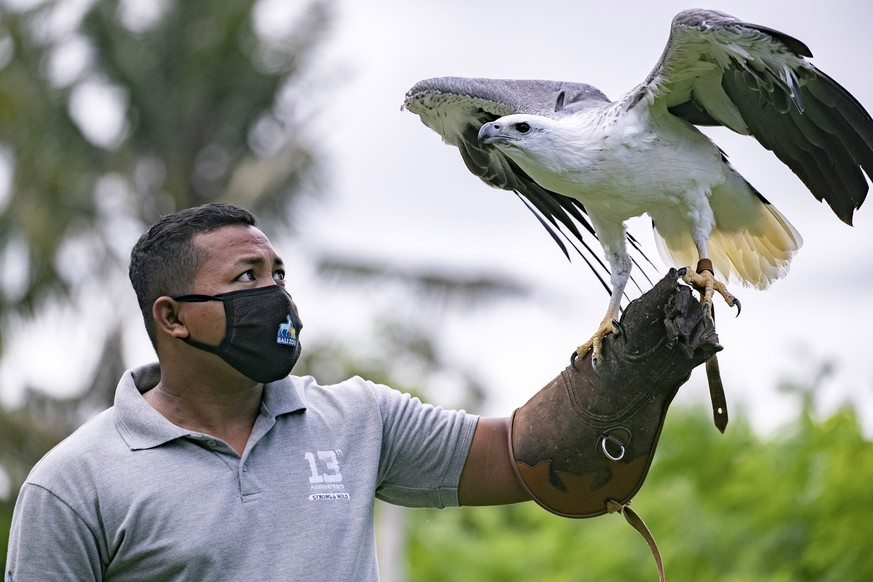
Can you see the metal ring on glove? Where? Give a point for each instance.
(606, 452)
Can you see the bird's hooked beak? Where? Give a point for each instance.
(490, 133)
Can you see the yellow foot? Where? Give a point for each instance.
(595, 344)
(706, 284)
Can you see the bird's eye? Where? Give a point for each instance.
(522, 127)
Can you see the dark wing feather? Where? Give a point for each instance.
(456, 108)
(718, 70)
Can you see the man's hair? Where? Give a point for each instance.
(165, 260)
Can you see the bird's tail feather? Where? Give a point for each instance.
(752, 243)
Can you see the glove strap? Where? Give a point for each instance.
(713, 376)
(638, 524)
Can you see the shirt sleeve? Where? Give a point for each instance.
(49, 541)
(424, 448)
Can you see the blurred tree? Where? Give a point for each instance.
(112, 117)
(112, 113)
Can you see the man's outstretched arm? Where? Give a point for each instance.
(584, 443)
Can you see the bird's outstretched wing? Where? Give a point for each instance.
(456, 108)
(718, 70)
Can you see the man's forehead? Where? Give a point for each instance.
(235, 243)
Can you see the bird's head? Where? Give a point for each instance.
(512, 131)
(531, 141)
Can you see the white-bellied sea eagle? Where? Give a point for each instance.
(571, 153)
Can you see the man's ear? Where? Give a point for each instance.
(165, 311)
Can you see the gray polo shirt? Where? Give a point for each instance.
(131, 496)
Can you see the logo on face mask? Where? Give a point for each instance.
(287, 335)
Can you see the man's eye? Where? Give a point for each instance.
(522, 127)
(279, 275)
(247, 276)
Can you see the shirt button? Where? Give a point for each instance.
(245, 468)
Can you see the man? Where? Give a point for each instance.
(214, 464)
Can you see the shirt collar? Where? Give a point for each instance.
(143, 427)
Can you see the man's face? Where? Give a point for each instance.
(237, 257)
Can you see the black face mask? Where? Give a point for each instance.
(261, 335)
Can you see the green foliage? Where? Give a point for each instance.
(205, 109)
(794, 506)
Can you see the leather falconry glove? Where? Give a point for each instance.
(583, 444)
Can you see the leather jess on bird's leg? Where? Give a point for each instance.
(584, 443)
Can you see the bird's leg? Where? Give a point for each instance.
(703, 279)
(612, 237)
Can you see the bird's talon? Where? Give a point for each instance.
(580, 352)
(617, 329)
(595, 355)
(707, 285)
(595, 344)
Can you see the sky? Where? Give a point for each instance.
(401, 195)
(396, 194)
